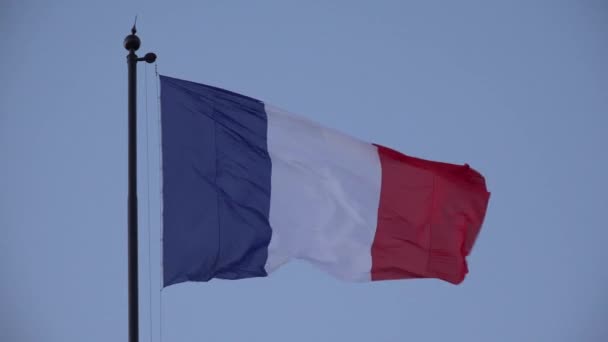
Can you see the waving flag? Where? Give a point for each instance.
(248, 187)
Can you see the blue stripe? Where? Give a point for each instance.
(216, 183)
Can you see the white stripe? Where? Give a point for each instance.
(325, 191)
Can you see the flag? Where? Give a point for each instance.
(247, 187)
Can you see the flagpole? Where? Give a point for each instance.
(132, 43)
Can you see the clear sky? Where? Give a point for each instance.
(518, 89)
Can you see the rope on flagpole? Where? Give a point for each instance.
(160, 203)
(149, 232)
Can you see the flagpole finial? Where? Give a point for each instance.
(132, 41)
(134, 29)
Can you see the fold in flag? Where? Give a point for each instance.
(248, 187)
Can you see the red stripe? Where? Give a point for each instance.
(429, 216)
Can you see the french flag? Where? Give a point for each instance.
(248, 187)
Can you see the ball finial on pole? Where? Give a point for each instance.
(132, 42)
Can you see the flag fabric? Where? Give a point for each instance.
(248, 187)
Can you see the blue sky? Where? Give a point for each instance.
(517, 89)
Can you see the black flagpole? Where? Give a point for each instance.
(132, 43)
